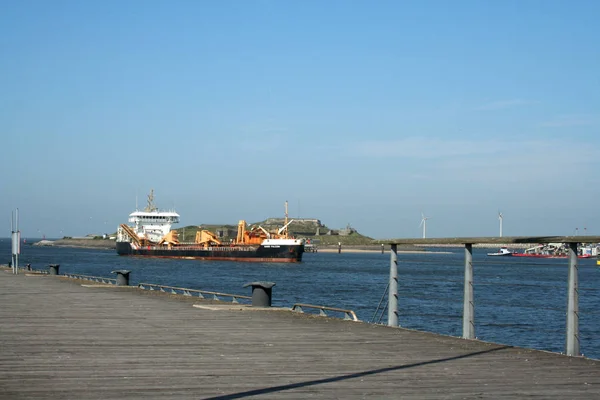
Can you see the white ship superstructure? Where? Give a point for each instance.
(151, 223)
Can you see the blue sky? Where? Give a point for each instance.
(367, 113)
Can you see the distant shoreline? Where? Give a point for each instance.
(483, 245)
(79, 243)
(351, 249)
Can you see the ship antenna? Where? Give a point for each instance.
(286, 219)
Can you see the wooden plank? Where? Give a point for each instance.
(495, 240)
(61, 340)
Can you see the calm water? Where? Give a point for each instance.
(518, 301)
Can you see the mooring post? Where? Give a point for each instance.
(339, 247)
(468, 306)
(572, 345)
(261, 293)
(53, 269)
(122, 277)
(381, 248)
(393, 292)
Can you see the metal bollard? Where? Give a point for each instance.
(53, 269)
(122, 277)
(261, 293)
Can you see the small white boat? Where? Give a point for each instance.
(504, 251)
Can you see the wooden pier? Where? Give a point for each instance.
(60, 339)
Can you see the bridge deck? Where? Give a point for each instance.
(59, 339)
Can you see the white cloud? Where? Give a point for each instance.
(424, 148)
(526, 162)
(570, 120)
(504, 104)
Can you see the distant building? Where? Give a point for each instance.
(348, 230)
(281, 221)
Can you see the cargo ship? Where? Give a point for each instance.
(150, 235)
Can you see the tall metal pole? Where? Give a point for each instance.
(12, 241)
(18, 244)
(572, 345)
(468, 306)
(393, 292)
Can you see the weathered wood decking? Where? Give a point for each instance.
(59, 339)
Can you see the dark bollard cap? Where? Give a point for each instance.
(120, 271)
(53, 269)
(265, 285)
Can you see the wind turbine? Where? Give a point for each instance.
(424, 224)
(500, 218)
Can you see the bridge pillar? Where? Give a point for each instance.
(393, 292)
(468, 306)
(572, 345)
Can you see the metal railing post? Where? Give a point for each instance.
(572, 345)
(393, 292)
(468, 306)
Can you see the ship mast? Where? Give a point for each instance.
(286, 219)
(151, 207)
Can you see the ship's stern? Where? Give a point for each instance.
(286, 250)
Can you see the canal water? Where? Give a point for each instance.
(518, 301)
